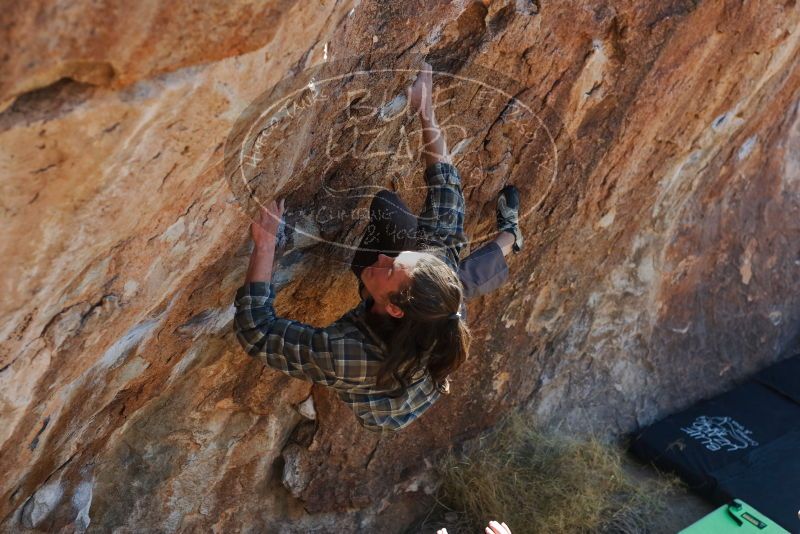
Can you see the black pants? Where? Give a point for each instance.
(392, 229)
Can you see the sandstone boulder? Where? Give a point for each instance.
(657, 147)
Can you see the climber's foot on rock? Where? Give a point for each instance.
(508, 214)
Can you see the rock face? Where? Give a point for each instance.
(657, 147)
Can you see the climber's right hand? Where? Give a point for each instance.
(419, 95)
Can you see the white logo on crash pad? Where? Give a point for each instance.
(720, 433)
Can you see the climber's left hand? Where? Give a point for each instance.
(264, 228)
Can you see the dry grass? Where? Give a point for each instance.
(542, 482)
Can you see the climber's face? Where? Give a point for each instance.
(389, 275)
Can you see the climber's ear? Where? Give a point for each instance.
(394, 310)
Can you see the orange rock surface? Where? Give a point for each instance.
(656, 144)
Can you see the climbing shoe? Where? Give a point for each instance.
(508, 214)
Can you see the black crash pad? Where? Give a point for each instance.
(742, 444)
(783, 378)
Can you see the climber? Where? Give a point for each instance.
(390, 356)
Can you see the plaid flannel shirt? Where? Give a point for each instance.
(441, 223)
(346, 355)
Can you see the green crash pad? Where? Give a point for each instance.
(736, 517)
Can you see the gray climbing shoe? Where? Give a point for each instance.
(508, 214)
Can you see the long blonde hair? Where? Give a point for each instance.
(431, 333)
